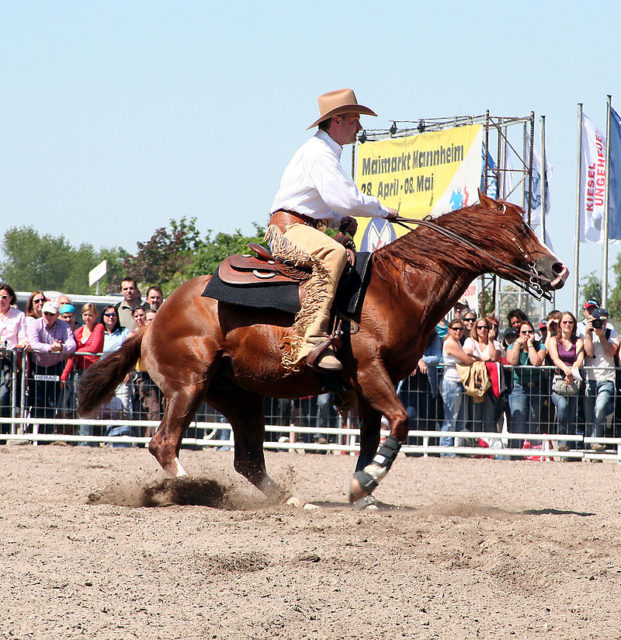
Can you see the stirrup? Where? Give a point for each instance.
(333, 341)
(325, 361)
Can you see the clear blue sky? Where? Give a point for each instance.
(118, 116)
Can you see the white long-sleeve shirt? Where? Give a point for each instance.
(13, 328)
(315, 184)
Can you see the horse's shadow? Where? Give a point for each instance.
(206, 492)
(557, 512)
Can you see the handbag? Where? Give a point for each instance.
(561, 388)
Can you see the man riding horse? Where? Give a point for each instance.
(315, 193)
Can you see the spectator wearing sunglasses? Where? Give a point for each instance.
(567, 353)
(12, 336)
(468, 318)
(451, 388)
(114, 336)
(51, 341)
(34, 306)
(527, 355)
(480, 345)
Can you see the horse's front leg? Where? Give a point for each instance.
(380, 398)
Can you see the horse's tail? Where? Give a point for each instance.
(99, 381)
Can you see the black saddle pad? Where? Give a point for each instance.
(284, 296)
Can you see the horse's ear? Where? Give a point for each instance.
(490, 203)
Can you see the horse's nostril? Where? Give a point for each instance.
(558, 267)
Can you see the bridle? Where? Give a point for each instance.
(530, 281)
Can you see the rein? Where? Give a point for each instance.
(531, 284)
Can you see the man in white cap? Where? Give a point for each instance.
(315, 193)
(51, 341)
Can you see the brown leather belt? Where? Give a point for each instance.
(284, 219)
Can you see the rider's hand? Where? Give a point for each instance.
(349, 225)
(393, 214)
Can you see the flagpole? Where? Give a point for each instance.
(606, 207)
(531, 148)
(578, 201)
(543, 181)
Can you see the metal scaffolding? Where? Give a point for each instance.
(508, 177)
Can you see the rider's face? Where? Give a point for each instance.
(346, 128)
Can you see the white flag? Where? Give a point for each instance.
(592, 182)
(535, 204)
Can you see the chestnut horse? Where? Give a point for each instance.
(200, 349)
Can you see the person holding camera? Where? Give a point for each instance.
(601, 344)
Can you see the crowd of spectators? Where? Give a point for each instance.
(560, 377)
(54, 344)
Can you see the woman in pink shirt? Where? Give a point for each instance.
(12, 336)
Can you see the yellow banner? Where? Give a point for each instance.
(430, 173)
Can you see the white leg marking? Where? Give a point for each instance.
(180, 470)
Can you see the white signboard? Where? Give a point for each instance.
(96, 274)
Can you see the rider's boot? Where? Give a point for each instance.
(316, 335)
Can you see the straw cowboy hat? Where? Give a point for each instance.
(334, 103)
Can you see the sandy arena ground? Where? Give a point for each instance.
(96, 545)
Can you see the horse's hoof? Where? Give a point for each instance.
(368, 503)
(296, 503)
(356, 492)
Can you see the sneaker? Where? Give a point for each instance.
(598, 447)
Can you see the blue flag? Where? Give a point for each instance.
(492, 183)
(614, 180)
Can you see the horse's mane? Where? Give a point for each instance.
(426, 249)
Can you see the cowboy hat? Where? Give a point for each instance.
(335, 103)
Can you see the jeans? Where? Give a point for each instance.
(598, 403)
(452, 399)
(6, 371)
(566, 415)
(46, 393)
(124, 430)
(87, 430)
(525, 405)
(484, 414)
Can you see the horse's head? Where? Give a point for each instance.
(527, 259)
(487, 237)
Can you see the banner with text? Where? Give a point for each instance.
(593, 167)
(427, 174)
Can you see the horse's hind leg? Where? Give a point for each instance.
(180, 409)
(245, 412)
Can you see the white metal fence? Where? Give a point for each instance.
(37, 408)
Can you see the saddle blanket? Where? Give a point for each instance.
(284, 296)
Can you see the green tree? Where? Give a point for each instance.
(222, 245)
(166, 256)
(591, 288)
(614, 300)
(34, 261)
(42, 261)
